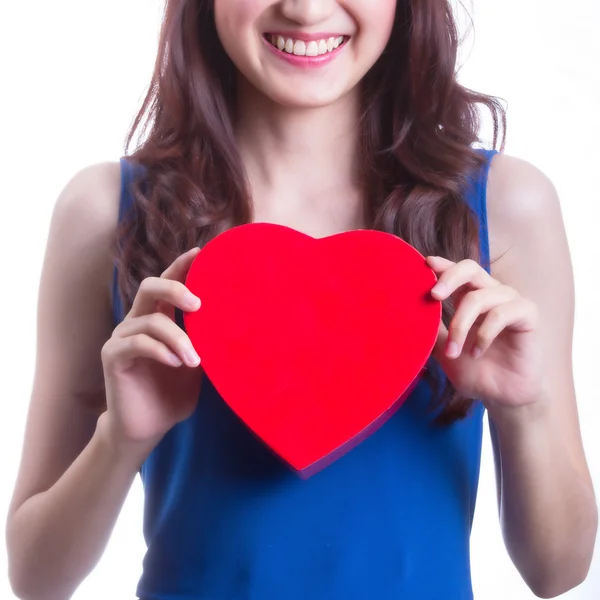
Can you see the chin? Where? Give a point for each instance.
(303, 96)
(306, 102)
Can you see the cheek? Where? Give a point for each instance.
(236, 22)
(229, 14)
(231, 20)
(236, 17)
(374, 18)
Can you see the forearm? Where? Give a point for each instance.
(56, 537)
(547, 507)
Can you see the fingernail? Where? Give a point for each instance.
(192, 301)
(476, 352)
(452, 350)
(174, 360)
(192, 357)
(439, 288)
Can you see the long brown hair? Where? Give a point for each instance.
(419, 127)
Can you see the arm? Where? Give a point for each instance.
(546, 499)
(72, 482)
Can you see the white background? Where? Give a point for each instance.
(73, 74)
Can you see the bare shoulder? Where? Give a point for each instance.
(529, 246)
(520, 184)
(92, 196)
(519, 197)
(87, 210)
(74, 289)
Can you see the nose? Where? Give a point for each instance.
(307, 12)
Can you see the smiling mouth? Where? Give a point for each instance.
(306, 48)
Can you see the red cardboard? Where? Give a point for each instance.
(313, 343)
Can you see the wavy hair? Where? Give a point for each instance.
(419, 129)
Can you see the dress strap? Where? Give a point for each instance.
(477, 198)
(126, 205)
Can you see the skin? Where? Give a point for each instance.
(296, 133)
(523, 328)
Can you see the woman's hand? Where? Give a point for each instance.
(490, 350)
(150, 366)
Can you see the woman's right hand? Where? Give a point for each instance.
(151, 370)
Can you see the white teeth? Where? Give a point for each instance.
(302, 48)
(312, 49)
(299, 48)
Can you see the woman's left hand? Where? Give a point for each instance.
(491, 350)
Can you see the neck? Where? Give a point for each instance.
(297, 159)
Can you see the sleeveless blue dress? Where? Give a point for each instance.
(224, 519)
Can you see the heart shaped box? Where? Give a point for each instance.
(313, 343)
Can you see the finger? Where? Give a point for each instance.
(439, 263)
(520, 315)
(127, 350)
(179, 268)
(471, 307)
(460, 274)
(158, 289)
(163, 329)
(177, 271)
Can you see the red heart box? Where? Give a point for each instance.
(313, 343)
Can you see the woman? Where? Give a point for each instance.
(326, 116)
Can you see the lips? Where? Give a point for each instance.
(305, 47)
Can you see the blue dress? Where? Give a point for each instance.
(391, 520)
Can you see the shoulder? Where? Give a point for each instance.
(92, 193)
(528, 243)
(522, 205)
(85, 217)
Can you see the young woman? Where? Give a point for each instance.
(325, 116)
